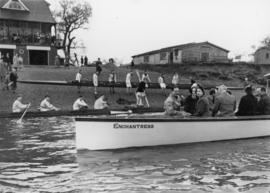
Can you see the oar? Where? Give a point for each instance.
(120, 112)
(20, 120)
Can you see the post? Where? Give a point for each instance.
(267, 84)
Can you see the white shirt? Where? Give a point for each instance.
(100, 103)
(45, 105)
(95, 79)
(175, 79)
(160, 80)
(78, 77)
(18, 106)
(128, 77)
(145, 77)
(112, 77)
(78, 104)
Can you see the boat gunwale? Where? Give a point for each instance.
(171, 119)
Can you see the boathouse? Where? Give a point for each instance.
(27, 28)
(191, 52)
(262, 56)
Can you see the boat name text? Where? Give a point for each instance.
(132, 126)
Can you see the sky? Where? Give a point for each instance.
(123, 28)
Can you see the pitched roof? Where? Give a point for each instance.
(179, 47)
(262, 48)
(38, 12)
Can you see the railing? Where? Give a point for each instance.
(44, 40)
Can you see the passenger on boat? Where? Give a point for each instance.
(18, 106)
(45, 105)
(128, 82)
(248, 104)
(95, 82)
(172, 104)
(162, 83)
(101, 103)
(80, 104)
(211, 98)
(191, 101)
(225, 103)
(264, 102)
(202, 106)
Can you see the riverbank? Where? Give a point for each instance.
(64, 96)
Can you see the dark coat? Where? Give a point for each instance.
(190, 105)
(264, 105)
(202, 107)
(247, 106)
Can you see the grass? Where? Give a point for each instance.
(64, 96)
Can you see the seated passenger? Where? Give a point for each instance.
(45, 105)
(18, 106)
(101, 103)
(248, 104)
(211, 98)
(191, 101)
(225, 103)
(172, 104)
(80, 104)
(202, 107)
(264, 102)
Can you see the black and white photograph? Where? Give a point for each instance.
(134, 96)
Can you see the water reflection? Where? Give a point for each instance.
(40, 156)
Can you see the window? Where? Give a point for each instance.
(146, 58)
(176, 53)
(163, 55)
(16, 5)
(267, 56)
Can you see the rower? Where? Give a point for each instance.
(101, 103)
(45, 105)
(79, 79)
(18, 106)
(80, 104)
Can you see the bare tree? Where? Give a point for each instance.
(73, 15)
(266, 42)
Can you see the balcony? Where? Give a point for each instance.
(35, 39)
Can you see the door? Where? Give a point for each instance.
(37, 57)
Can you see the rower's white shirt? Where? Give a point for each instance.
(95, 79)
(145, 77)
(100, 103)
(78, 77)
(78, 104)
(45, 105)
(18, 106)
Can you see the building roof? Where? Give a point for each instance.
(179, 47)
(262, 48)
(38, 11)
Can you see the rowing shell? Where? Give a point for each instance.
(107, 84)
(100, 133)
(81, 113)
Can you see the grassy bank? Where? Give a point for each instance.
(64, 96)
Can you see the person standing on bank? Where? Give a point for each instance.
(162, 83)
(95, 82)
(112, 80)
(79, 79)
(13, 77)
(140, 92)
(128, 82)
(175, 80)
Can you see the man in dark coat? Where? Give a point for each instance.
(264, 102)
(248, 104)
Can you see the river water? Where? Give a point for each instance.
(40, 156)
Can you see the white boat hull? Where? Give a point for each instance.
(109, 133)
